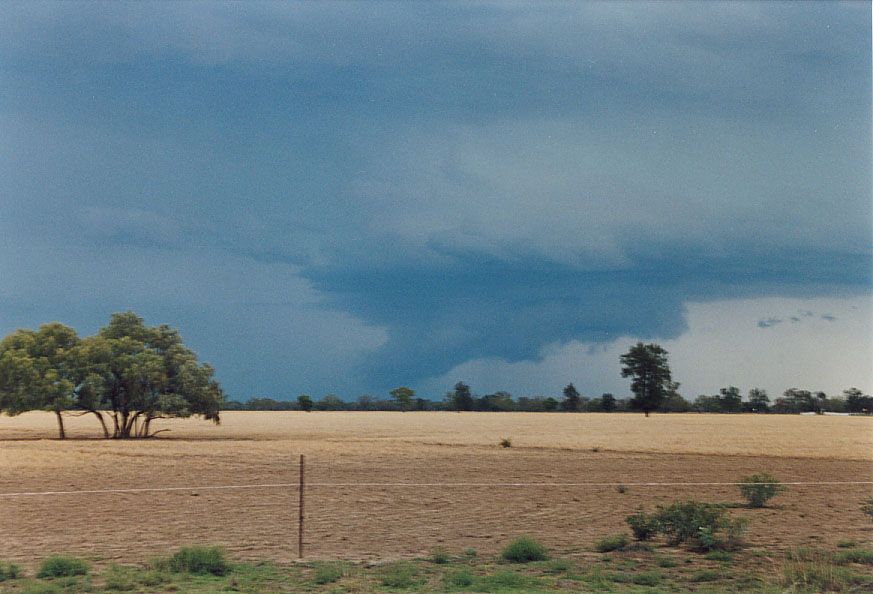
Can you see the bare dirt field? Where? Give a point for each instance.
(358, 506)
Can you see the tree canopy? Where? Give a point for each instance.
(128, 371)
(651, 383)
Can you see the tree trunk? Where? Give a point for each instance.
(61, 433)
(646, 413)
(99, 416)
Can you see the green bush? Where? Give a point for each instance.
(9, 571)
(60, 566)
(506, 442)
(614, 542)
(505, 580)
(642, 525)
(702, 526)
(197, 560)
(705, 575)
(760, 488)
(524, 550)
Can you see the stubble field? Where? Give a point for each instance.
(390, 485)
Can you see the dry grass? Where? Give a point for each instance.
(378, 522)
(846, 438)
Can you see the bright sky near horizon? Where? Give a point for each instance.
(345, 197)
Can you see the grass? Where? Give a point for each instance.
(329, 572)
(725, 557)
(614, 542)
(524, 550)
(58, 566)
(804, 571)
(402, 574)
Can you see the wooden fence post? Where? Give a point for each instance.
(300, 509)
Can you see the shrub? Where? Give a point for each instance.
(642, 525)
(615, 542)
(702, 526)
(440, 556)
(506, 442)
(501, 580)
(720, 556)
(9, 571)
(197, 560)
(327, 573)
(524, 550)
(622, 489)
(847, 544)
(60, 566)
(759, 488)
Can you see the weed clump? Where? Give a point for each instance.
(524, 550)
(642, 525)
(506, 442)
(196, 560)
(760, 488)
(614, 542)
(399, 575)
(9, 571)
(701, 526)
(59, 566)
(440, 556)
(327, 573)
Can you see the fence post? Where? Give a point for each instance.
(300, 509)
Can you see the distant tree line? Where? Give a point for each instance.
(729, 400)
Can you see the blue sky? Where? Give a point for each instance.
(345, 197)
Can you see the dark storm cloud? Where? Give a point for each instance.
(476, 179)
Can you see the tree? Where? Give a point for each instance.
(403, 397)
(607, 402)
(132, 372)
(730, 400)
(146, 373)
(40, 371)
(461, 398)
(550, 404)
(758, 400)
(647, 365)
(857, 402)
(304, 402)
(572, 399)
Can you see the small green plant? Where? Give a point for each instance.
(60, 566)
(642, 525)
(470, 553)
(196, 560)
(847, 544)
(41, 588)
(621, 489)
(328, 573)
(440, 556)
(559, 566)
(399, 575)
(524, 550)
(506, 442)
(459, 579)
(757, 489)
(614, 542)
(9, 571)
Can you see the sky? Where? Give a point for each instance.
(330, 197)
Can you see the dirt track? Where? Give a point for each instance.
(387, 521)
